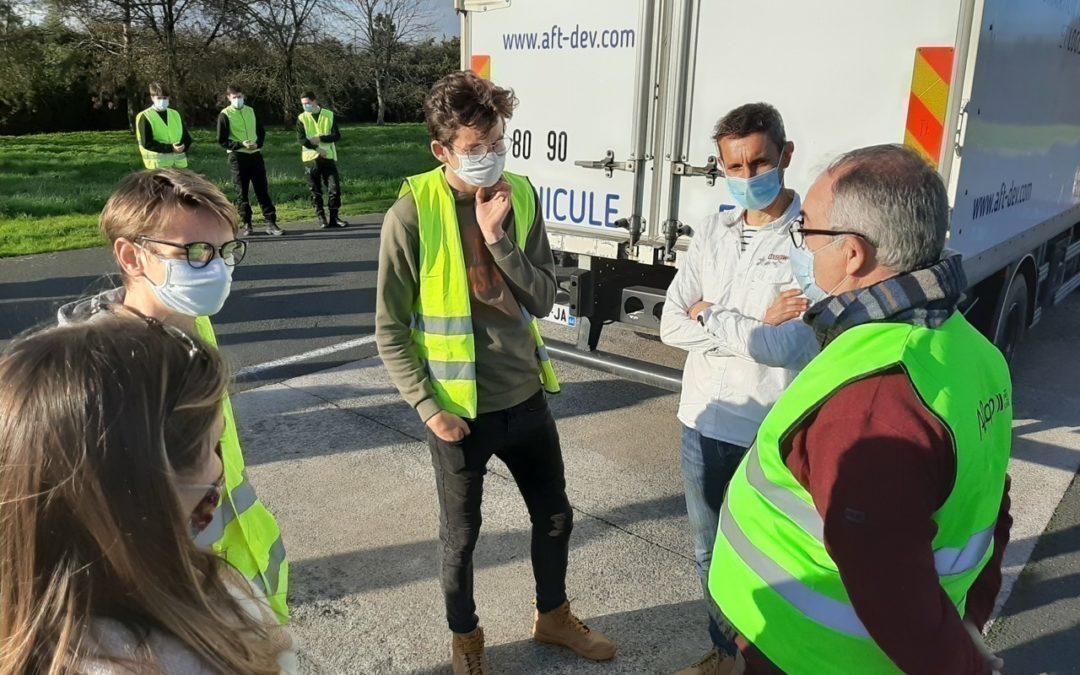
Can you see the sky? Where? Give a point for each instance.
(445, 19)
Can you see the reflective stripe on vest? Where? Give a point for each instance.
(771, 574)
(171, 133)
(242, 127)
(243, 531)
(323, 126)
(442, 319)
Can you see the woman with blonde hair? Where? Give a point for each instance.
(109, 464)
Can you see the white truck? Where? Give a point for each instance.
(618, 99)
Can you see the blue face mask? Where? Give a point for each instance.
(237, 103)
(310, 107)
(756, 193)
(802, 268)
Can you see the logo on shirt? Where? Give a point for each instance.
(989, 408)
(778, 258)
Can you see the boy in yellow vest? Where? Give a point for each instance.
(464, 267)
(163, 138)
(242, 135)
(318, 134)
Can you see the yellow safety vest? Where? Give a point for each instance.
(170, 133)
(320, 127)
(442, 319)
(771, 574)
(243, 531)
(242, 127)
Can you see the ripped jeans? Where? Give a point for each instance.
(524, 437)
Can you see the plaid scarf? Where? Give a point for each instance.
(926, 297)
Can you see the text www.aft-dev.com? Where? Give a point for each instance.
(575, 38)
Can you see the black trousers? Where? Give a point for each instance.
(524, 437)
(323, 172)
(249, 171)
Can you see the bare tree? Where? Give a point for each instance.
(382, 28)
(285, 26)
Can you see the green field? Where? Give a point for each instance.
(52, 186)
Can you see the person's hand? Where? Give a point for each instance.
(322, 152)
(250, 144)
(314, 140)
(179, 147)
(997, 664)
(790, 305)
(448, 426)
(492, 205)
(698, 308)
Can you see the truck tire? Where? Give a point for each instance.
(1012, 318)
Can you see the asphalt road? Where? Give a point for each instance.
(315, 290)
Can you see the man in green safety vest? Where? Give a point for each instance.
(163, 138)
(464, 269)
(242, 135)
(864, 531)
(318, 134)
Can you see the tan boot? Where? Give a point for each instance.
(714, 663)
(560, 627)
(468, 653)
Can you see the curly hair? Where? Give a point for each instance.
(464, 99)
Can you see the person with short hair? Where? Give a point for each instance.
(110, 446)
(464, 270)
(174, 238)
(243, 135)
(318, 134)
(865, 530)
(160, 131)
(731, 306)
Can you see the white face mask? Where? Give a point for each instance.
(193, 292)
(238, 102)
(161, 104)
(480, 172)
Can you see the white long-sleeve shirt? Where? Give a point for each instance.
(737, 366)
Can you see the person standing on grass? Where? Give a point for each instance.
(318, 134)
(242, 135)
(730, 306)
(173, 236)
(464, 268)
(163, 138)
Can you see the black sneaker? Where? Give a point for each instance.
(273, 229)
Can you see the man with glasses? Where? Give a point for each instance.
(731, 306)
(464, 269)
(864, 532)
(174, 239)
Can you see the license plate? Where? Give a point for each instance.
(560, 314)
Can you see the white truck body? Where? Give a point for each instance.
(988, 89)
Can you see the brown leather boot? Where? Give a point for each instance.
(560, 627)
(468, 653)
(714, 663)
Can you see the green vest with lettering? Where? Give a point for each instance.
(318, 127)
(171, 133)
(442, 318)
(243, 531)
(242, 127)
(771, 574)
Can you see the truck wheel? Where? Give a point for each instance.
(1012, 319)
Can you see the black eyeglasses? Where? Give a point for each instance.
(798, 233)
(199, 253)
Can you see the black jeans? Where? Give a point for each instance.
(524, 437)
(319, 173)
(249, 170)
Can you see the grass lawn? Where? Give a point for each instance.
(52, 186)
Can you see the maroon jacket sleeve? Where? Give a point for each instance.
(878, 465)
(983, 593)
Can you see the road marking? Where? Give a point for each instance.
(245, 373)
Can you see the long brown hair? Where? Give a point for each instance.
(96, 421)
